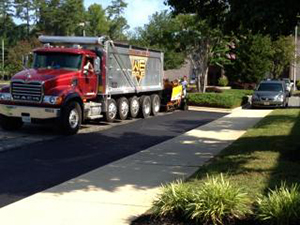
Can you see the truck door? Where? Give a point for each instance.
(89, 78)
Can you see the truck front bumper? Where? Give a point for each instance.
(29, 111)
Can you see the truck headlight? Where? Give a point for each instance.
(5, 96)
(53, 100)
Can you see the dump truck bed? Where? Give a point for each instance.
(131, 70)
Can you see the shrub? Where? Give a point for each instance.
(281, 206)
(298, 84)
(218, 201)
(214, 201)
(173, 200)
(215, 100)
(223, 81)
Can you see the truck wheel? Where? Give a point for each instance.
(71, 118)
(10, 123)
(145, 103)
(134, 106)
(184, 105)
(111, 113)
(155, 104)
(123, 108)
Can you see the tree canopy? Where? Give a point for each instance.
(270, 17)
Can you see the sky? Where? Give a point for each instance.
(137, 12)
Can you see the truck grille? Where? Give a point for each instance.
(28, 92)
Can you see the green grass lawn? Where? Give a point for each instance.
(266, 155)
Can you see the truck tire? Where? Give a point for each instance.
(134, 106)
(123, 108)
(10, 123)
(184, 105)
(145, 103)
(155, 104)
(111, 113)
(71, 118)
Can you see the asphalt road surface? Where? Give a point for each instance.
(38, 166)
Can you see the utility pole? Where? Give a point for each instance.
(2, 57)
(295, 62)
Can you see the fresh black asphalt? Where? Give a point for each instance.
(36, 167)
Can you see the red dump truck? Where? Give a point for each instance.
(73, 79)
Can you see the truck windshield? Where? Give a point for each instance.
(53, 60)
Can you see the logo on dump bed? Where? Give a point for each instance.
(138, 64)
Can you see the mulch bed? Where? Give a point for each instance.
(148, 219)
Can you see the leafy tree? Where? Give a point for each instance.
(268, 17)
(16, 53)
(202, 34)
(97, 22)
(49, 21)
(70, 21)
(26, 11)
(55, 17)
(6, 13)
(117, 23)
(253, 59)
(284, 50)
(160, 33)
(204, 45)
(212, 11)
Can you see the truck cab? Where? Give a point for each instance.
(56, 87)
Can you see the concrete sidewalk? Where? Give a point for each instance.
(115, 194)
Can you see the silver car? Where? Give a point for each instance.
(270, 93)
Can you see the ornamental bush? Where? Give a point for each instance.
(223, 81)
(280, 206)
(214, 201)
(218, 201)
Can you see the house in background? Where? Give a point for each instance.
(214, 73)
(185, 70)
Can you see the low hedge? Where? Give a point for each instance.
(227, 99)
